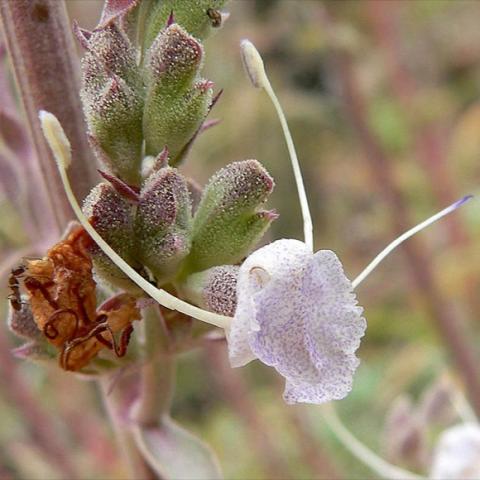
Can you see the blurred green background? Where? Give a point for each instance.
(382, 101)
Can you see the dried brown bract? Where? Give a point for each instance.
(62, 297)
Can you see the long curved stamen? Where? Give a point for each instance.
(386, 251)
(60, 146)
(256, 71)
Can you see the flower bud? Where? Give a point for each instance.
(227, 223)
(177, 102)
(457, 453)
(253, 64)
(111, 216)
(163, 223)
(197, 17)
(214, 289)
(405, 435)
(175, 56)
(115, 123)
(436, 406)
(109, 53)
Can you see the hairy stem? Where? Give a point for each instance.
(44, 61)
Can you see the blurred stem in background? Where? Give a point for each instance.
(44, 59)
(158, 371)
(39, 422)
(440, 308)
(151, 399)
(43, 69)
(117, 399)
(234, 389)
(430, 139)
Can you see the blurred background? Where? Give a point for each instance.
(382, 101)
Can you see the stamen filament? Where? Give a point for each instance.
(398, 241)
(256, 71)
(60, 147)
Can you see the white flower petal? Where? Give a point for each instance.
(300, 316)
(248, 286)
(457, 454)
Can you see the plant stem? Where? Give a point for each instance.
(154, 399)
(158, 373)
(440, 309)
(117, 403)
(19, 169)
(44, 60)
(233, 389)
(363, 453)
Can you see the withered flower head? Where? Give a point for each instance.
(61, 294)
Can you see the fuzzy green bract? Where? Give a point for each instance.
(112, 217)
(112, 97)
(228, 222)
(163, 223)
(177, 99)
(142, 88)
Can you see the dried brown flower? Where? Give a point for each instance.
(62, 296)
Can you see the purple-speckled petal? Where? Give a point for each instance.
(297, 312)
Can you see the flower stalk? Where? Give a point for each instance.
(256, 70)
(158, 372)
(116, 405)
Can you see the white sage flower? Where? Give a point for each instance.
(457, 454)
(296, 311)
